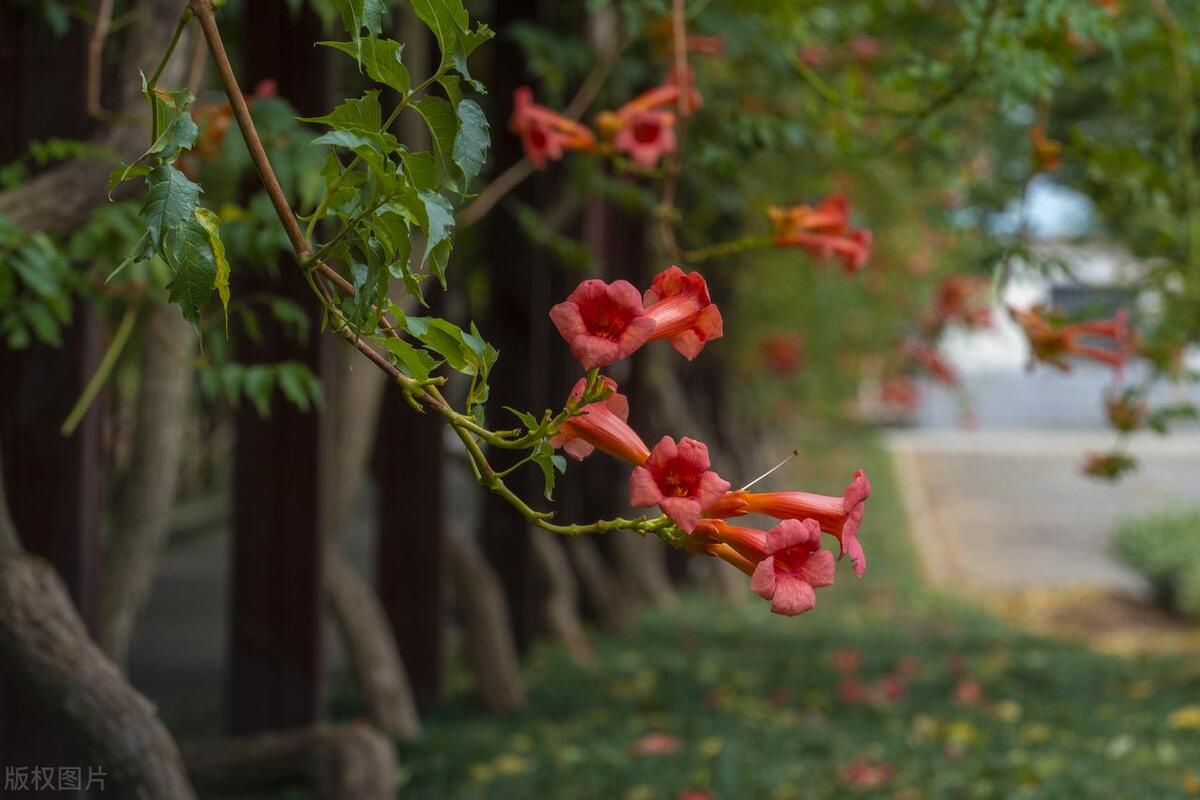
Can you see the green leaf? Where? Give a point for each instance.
(125, 172)
(528, 420)
(380, 58)
(212, 226)
(412, 361)
(362, 115)
(140, 251)
(359, 14)
(472, 140)
(550, 463)
(170, 202)
(298, 384)
(178, 129)
(420, 169)
(443, 125)
(443, 338)
(193, 270)
(382, 143)
(440, 218)
(257, 383)
(450, 25)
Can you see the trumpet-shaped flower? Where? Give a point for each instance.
(823, 231)
(839, 516)
(1053, 342)
(677, 479)
(545, 134)
(785, 564)
(961, 298)
(601, 426)
(831, 216)
(794, 567)
(682, 311)
(646, 136)
(602, 322)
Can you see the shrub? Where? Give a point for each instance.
(1165, 549)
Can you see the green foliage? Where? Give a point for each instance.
(259, 383)
(1165, 549)
(36, 280)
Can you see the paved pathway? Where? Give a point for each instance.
(1008, 509)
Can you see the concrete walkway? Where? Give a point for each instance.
(1008, 509)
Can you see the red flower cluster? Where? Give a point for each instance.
(545, 134)
(1053, 342)
(604, 322)
(823, 231)
(643, 128)
(962, 299)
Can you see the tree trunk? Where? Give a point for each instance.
(642, 567)
(489, 639)
(604, 593)
(562, 595)
(377, 664)
(350, 762)
(361, 621)
(142, 518)
(60, 199)
(44, 645)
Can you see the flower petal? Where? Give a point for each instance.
(643, 491)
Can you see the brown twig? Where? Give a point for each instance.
(95, 61)
(666, 205)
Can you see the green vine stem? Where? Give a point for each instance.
(722, 249)
(103, 370)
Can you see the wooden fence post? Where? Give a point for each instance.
(275, 648)
(54, 483)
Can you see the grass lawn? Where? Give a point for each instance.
(733, 702)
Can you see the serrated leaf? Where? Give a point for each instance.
(412, 361)
(140, 251)
(212, 226)
(125, 172)
(544, 457)
(420, 169)
(380, 58)
(382, 143)
(443, 338)
(193, 270)
(439, 215)
(472, 140)
(178, 129)
(362, 115)
(442, 122)
(359, 14)
(528, 420)
(450, 25)
(170, 202)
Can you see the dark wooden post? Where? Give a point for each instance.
(519, 327)
(411, 544)
(275, 649)
(54, 483)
